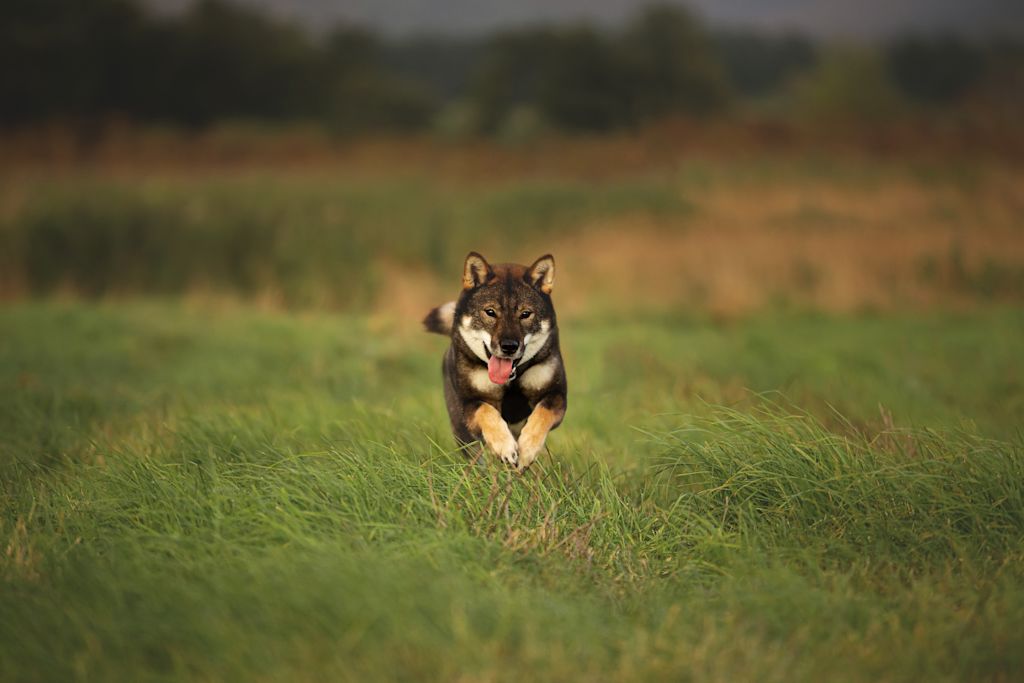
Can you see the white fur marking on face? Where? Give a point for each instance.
(475, 339)
(539, 376)
(536, 342)
(482, 383)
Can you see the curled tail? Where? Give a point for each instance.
(441, 319)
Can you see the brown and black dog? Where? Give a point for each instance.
(504, 380)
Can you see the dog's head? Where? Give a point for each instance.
(504, 314)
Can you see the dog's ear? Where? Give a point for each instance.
(476, 271)
(542, 273)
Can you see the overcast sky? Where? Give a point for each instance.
(827, 18)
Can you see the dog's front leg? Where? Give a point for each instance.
(487, 422)
(546, 415)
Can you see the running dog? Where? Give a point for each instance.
(504, 380)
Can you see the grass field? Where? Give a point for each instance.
(792, 451)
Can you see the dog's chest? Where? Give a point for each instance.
(479, 380)
(536, 378)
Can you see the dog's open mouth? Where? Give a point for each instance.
(500, 370)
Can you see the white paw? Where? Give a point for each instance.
(507, 450)
(528, 450)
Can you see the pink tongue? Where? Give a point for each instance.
(498, 369)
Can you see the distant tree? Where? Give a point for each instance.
(71, 59)
(580, 78)
(758, 65)
(935, 70)
(352, 48)
(235, 62)
(670, 65)
(362, 94)
(849, 84)
(573, 77)
(510, 74)
(443, 64)
(83, 61)
(584, 82)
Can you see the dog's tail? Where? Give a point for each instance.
(441, 319)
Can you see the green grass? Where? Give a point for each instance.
(234, 495)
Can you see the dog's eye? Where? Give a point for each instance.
(525, 314)
(490, 312)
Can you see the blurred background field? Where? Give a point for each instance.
(790, 281)
(719, 236)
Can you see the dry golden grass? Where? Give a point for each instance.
(814, 244)
(811, 243)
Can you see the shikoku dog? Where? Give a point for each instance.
(504, 381)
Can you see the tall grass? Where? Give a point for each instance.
(258, 496)
(912, 498)
(236, 553)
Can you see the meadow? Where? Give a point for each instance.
(792, 449)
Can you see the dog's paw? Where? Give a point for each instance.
(507, 450)
(529, 448)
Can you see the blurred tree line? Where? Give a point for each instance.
(83, 62)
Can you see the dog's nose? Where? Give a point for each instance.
(509, 346)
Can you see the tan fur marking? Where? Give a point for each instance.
(475, 271)
(531, 440)
(542, 272)
(496, 433)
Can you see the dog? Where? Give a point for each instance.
(504, 379)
